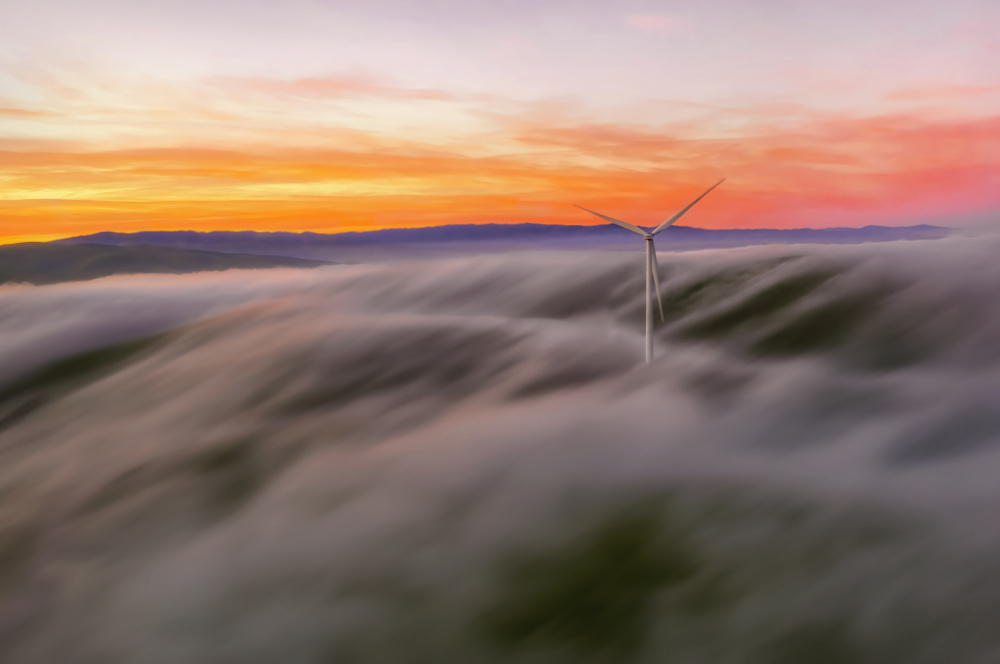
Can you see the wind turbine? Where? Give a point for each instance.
(652, 269)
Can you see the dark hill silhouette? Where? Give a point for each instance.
(46, 263)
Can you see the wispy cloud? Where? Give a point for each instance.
(943, 91)
(657, 23)
(330, 87)
(25, 113)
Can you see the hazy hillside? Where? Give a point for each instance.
(46, 263)
(486, 238)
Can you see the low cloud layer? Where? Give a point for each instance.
(466, 460)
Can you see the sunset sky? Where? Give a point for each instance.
(327, 115)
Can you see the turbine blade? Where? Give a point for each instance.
(623, 224)
(656, 282)
(669, 222)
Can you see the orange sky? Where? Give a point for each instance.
(104, 143)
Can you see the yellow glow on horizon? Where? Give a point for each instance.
(17, 239)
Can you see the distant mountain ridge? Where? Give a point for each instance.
(435, 240)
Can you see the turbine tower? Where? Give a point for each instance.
(652, 269)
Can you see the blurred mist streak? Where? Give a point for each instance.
(464, 460)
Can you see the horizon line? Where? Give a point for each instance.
(51, 237)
